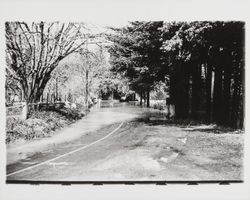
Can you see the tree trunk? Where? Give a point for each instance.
(226, 95)
(144, 98)
(217, 97)
(56, 89)
(141, 98)
(148, 98)
(182, 92)
(196, 89)
(208, 92)
(237, 101)
(33, 93)
(235, 105)
(241, 107)
(87, 89)
(172, 95)
(242, 96)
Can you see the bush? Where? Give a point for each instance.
(70, 114)
(40, 124)
(158, 106)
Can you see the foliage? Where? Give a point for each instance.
(160, 91)
(201, 62)
(197, 50)
(35, 50)
(136, 54)
(40, 124)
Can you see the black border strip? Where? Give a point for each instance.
(193, 182)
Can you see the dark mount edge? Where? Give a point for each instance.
(193, 182)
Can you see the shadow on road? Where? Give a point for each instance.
(190, 125)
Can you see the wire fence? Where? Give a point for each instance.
(17, 108)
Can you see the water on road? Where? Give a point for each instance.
(113, 143)
(102, 114)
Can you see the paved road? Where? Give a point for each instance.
(115, 143)
(104, 120)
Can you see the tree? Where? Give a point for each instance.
(35, 50)
(93, 65)
(83, 74)
(201, 62)
(136, 53)
(210, 55)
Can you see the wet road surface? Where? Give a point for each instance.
(103, 119)
(115, 143)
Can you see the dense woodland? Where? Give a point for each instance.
(201, 63)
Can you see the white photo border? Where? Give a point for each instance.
(117, 13)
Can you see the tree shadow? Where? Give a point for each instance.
(182, 123)
(216, 130)
(189, 125)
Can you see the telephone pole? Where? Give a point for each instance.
(87, 76)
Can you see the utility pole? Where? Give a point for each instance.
(87, 77)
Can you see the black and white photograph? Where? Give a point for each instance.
(151, 100)
(140, 101)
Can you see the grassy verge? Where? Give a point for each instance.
(40, 124)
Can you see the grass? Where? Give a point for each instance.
(40, 124)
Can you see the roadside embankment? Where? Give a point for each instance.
(41, 123)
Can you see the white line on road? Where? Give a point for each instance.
(66, 154)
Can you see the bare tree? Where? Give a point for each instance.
(92, 69)
(35, 50)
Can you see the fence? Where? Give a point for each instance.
(19, 109)
(55, 97)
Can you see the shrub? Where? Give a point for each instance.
(40, 124)
(158, 106)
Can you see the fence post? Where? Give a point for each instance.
(24, 110)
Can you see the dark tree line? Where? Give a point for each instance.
(202, 63)
(136, 54)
